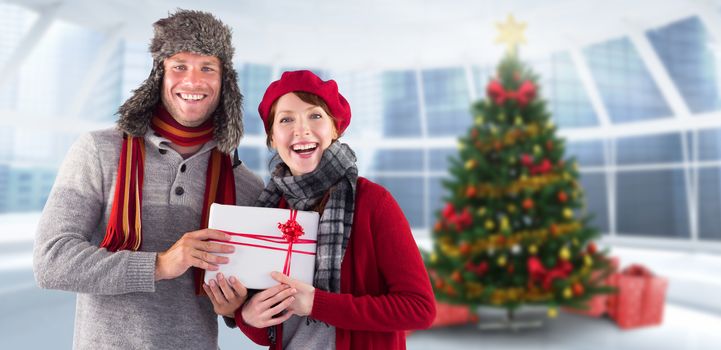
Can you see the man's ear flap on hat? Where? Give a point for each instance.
(136, 113)
(229, 116)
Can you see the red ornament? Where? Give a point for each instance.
(438, 283)
(527, 204)
(464, 248)
(542, 168)
(450, 291)
(480, 269)
(449, 211)
(510, 268)
(526, 160)
(457, 277)
(562, 197)
(591, 248)
(438, 226)
(471, 191)
(497, 145)
(578, 289)
(549, 145)
(464, 220)
(474, 133)
(554, 230)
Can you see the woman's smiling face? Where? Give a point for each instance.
(300, 133)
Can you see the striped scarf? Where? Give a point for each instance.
(124, 230)
(336, 173)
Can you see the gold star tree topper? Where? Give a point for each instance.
(511, 33)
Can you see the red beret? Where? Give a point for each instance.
(306, 81)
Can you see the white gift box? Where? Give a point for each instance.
(259, 244)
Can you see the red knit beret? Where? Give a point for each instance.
(306, 81)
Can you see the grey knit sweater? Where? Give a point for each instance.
(119, 305)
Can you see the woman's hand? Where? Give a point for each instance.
(226, 298)
(261, 310)
(303, 304)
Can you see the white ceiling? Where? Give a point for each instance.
(374, 34)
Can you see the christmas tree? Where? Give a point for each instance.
(512, 231)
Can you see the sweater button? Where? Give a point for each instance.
(179, 191)
(163, 151)
(182, 168)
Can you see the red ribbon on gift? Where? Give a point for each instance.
(525, 93)
(291, 230)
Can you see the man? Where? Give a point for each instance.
(124, 224)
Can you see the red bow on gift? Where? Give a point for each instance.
(637, 270)
(538, 273)
(291, 229)
(525, 93)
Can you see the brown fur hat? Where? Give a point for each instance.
(197, 32)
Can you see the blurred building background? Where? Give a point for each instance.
(634, 86)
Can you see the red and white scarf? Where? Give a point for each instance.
(124, 231)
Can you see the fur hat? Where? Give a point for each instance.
(200, 33)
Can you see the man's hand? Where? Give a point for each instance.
(226, 298)
(192, 249)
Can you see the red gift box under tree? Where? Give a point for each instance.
(640, 299)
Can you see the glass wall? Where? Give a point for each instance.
(405, 122)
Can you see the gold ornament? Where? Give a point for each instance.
(434, 257)
(567, 293)
(494, 130)
(564, 253)
(490, 225)
(511, 208)
(510, 33)
(552, 312)
(502, 260)
(588, 260)
(518, 120)
(532, 249)
(549, 125)
(537, 150)
(470, 164)
(482, 211)
(568, 213)
(461, 146)
(479, 120)
(505, 225)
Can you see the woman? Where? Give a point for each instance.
(370, 284)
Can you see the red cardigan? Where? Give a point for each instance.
(384, 286)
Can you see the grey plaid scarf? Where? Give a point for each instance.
(336, 173)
